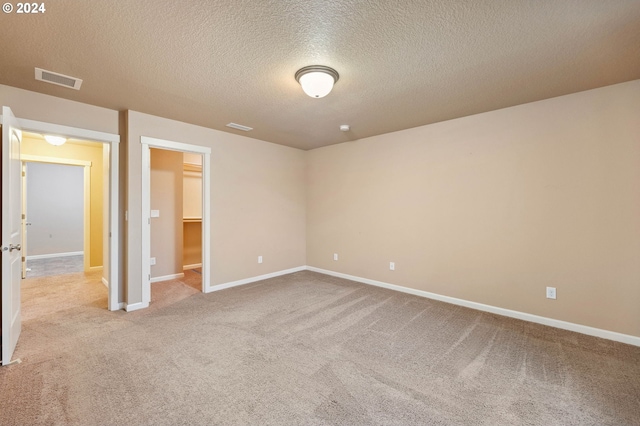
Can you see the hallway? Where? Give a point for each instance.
(54, 266)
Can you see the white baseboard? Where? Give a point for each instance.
(49, 256)
(194, 266)
(219, 287)
(119, 306)
(95, 268)
(591, 331)
(135, 306)
(167, 277)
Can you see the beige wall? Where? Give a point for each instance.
(72, 151)
(490, 208)
(166, 196)
(494, 207)
(192, 243)
(39, 107)
(257, 201)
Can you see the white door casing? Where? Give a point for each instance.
(148, 142)
(11, 233)
(111, 142)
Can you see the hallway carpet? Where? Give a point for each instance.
(305, 349)
(54, 266)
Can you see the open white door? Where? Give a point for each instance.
(11, 233)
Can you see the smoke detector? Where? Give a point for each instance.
(58, 79)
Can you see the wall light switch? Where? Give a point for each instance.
(551, 292)
(155, 213)
(335, 256)
(392, 266)
(153, 261)
(259, 259)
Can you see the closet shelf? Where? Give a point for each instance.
(191, 219)
(191, 167)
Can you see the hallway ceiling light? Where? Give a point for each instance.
(317, 80)
(55, 140)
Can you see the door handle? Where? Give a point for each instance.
(16, 247)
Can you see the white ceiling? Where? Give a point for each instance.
(402, 63)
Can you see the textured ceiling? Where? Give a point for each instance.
(402, 63)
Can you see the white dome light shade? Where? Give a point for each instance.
(55, 140)
(316, 84)
(317, 80)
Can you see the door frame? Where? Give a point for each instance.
(145, 225)
(111, 142)
(86, 166)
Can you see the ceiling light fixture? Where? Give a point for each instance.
(317, 80)
(55, 140)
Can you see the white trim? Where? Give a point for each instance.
(113, 273)
(95, 268)
(52, 255)
(112, 141)
(578, 328)
(135, 306)
(195, 265)
(54, 160)
(145, 230)
(254, 279)
(71, 132)
(120, 305)
(206, 222)
(175, 146)
(167, 277)
(87, 217)
(147, 143)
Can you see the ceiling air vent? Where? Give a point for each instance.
(239, 127)
(59, 79)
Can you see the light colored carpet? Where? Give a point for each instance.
(55, 266)
(304, 349)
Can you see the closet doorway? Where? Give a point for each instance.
(176, 218)
(176, 211)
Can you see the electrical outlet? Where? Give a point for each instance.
(153, 261)
(392, 266)
(335, 256)
(259, 259)
(551, 292)
(155, 213)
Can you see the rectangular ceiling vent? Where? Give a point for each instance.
(239, 127)
(59, 79)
